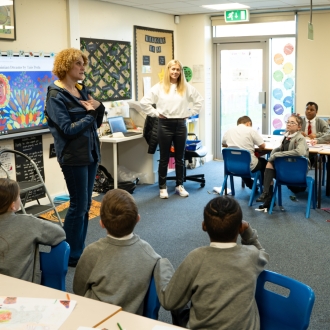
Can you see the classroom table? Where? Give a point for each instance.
(115, 141)
(87, 312)
(130, 321)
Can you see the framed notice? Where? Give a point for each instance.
(7, 21)
(154, 48)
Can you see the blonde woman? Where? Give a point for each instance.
(172, 97)
(73, 118)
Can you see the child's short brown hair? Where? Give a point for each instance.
(222, 219)
(119, 212)
(9, 191)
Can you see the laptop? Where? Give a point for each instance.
(117, 124)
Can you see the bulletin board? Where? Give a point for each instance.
(108, 74)
(154, 48)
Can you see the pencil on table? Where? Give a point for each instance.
(67, 296)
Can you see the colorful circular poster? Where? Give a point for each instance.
(277, 93)
(278, 109)
(277, 123)
(288, 83)
(4, 91)
(278, 58)
(278, 75)
(187, 73)
(288, 101)
(287, 68)
(288, 49)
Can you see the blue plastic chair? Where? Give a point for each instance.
(237, 163)
(279, 131)
(151, 302)
(278, 312)
(292, 171)
(54, 266)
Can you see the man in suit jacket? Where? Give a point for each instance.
(312, 126)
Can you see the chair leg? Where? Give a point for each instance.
(232, 187)
(309, 200)
(254, 188)
(270, 211)
(224, 184)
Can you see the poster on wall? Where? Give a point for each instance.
(7, 20)
(7, 161)
(154, 48)
(282, 82)
(23, 89)
(31, 147)
(108, 74)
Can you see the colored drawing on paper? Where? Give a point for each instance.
(288, 68)
(288, 101)
(33, 313)
(26, 94)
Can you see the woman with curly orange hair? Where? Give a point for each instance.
(73, 118)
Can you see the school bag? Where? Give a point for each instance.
(104, 182)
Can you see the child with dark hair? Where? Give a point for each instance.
(312, 126)
(293, 144)
(20, 235)
(117, 269)
(220, 279)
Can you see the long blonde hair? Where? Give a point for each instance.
(181, 83)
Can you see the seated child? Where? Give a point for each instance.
(117, 269)
(220, 279)
(293, 144)
(312, 126)
(20, 235)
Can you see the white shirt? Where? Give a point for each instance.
(219, 245)
(313, 125)
(244, 137)
(129, 236)
(172, 105)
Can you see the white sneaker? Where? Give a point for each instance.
(163, 193)
(179, 190)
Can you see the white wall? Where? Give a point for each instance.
(45, 25)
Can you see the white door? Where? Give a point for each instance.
(242, 76)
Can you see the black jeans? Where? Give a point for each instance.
(171, 130)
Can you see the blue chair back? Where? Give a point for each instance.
(151, 302)
(237, 162)
(54, 266)
(277, 311)
(291, 171)
(279, 131)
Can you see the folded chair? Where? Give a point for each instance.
(54, 266)
(283, 312)
(237, 163)
(292, 171)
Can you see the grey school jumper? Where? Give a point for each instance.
(19, 236)
(117, 272)
(220, 284)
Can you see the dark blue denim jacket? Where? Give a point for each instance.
(74, 129)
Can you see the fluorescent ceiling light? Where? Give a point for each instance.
(6, 3)
(226, 6)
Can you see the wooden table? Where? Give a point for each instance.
(130, 321)
(87, 312)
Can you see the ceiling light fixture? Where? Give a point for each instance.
(226, 6)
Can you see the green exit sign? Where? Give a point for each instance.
(235, 16)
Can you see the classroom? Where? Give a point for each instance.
(50, 26)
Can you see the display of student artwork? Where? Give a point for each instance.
(34, 313)
(283, 81)
(23, 90)
(108, 74)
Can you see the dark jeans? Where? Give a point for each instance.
(80, 182)
(171, 130)
(261, 166)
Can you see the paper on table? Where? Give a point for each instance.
(160, 327)
(26, 313)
